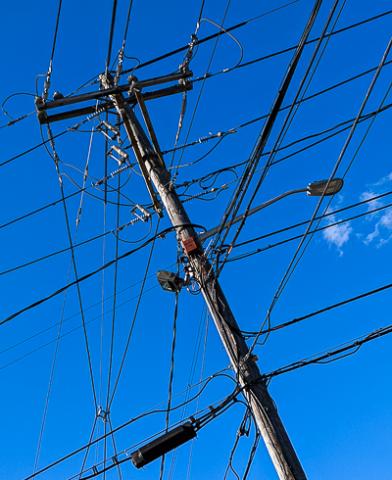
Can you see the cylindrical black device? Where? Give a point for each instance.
(163, 444)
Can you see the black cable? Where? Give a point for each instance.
(332, 306)
(252, 455)
(332, 355)
(258, 149)
(208, 38)
(293, 47)
(171, 373)
(49, 72)
(120, 427)
(293, 264)
(94, 272)
(135, 316)
(325, 215)
(300, 236)
(111, 33)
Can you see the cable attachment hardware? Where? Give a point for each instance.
(101, 413)
(121, 156)
(104, 127)
(141, 213)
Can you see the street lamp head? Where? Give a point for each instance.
(325, 187)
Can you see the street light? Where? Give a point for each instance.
(314, 189)
(324, 187)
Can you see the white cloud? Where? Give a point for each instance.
(383, 180)
(382, 230)
(337, 235)
(380, 222)
(373, 203)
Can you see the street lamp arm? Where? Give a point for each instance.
(250, 212)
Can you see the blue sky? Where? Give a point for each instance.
(337, 415)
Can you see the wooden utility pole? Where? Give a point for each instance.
(255, 391)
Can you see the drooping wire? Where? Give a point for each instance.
(252, 455)
(51, 380)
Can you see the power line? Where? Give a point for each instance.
(124, 425)
(50, 68)
(292, 265)
(91, 274)
(251, 166)
(302, 235)
(208, 38)
(293, 47)
(331, 213)
(332, 306)
(56, 160)
(111, 33)
(338, 353)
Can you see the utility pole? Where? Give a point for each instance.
(255, 391)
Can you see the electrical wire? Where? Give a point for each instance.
(320, 311)
(258, 149)
(197, 103)
(294, 47)
(288, 270)
(342, 351)
(126, 424)
(92, 273)
(135, 316)
(171, 374)
(50, 68)
(210, 37)
(302, 235)
(111, 33)
(73, 128)
(74, 264)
